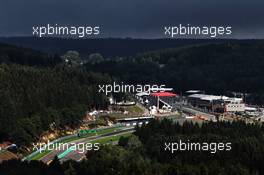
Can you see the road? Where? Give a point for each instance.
(195, 112)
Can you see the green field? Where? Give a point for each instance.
(40, 155)
(111, 139)
(134, 109)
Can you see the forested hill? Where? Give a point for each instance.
(34, 98)
(216, 68)
(12, 54)
(147, 152)
(108, 47)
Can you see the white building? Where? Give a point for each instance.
(234, 105)
(251, 111)
(229, 104)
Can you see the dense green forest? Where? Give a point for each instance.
(143, 153)
(38, 89)
(108, 47)
(18, 55)
(215, 68)
(33, 98)
(245, 157)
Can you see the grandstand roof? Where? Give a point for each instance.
(208, 97)
(163, 94)
(160, 89)
(193, 91)
(140, 94)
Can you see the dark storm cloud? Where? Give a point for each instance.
(133, 18)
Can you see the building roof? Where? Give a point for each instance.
(208, 97)
(160, 89)
(163, 94)
(140, 94)
(193, 91)
(247, 108)
(235, 99)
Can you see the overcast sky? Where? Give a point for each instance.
(133, 18)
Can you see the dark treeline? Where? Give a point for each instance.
(108, 47)
(216, 68)
(144, 153)
(18, 55)
(245, 157)
(34, 98)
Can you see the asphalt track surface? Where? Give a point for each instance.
(77, 154)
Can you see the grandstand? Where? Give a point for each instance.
(158, 102)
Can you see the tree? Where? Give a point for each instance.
(55, 167)
(95, 58)
(70, 170)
